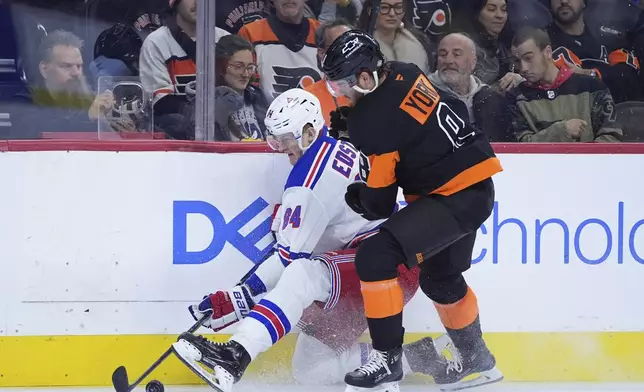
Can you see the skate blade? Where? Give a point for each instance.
(484, 378)
(384, 387)
(220, 380)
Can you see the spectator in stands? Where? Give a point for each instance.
(534, 13)
(116, 50)
(324, 37)
(490, 31)
(488, 109)
(64, 97)
(167, 64)
(587, 52)
(398, 39)
(331, 10)
(116, 53)
(233, 14)
(235, 68)
(556, 104)
(285, 47)
(618, 24)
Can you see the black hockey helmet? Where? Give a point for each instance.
(351, 53)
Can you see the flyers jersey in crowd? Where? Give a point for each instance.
(286, 54)
(606, 46)
(165, 67)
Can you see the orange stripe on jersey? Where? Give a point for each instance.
(382, 299)
(420, 100)
(620, 56)
(383, 170)
(182, 72)
(561, 55)
(460, 314)
(163, 91)
(327, 104)
(473, 175)
(260, 31)
(599, 74)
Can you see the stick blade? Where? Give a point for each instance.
(119, 380)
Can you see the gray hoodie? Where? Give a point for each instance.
(475, 86)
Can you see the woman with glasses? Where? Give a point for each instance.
(398, 39)
(241, 107)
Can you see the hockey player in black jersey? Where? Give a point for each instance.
(417, 139)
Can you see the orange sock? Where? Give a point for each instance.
(382, 299)
(459, 314)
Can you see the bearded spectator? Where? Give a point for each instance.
(63, 98)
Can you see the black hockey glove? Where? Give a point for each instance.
(352, 198)
(339, 129)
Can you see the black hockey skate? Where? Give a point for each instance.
(228, 361)
(423, 356)
(478, 365)
(382, 372)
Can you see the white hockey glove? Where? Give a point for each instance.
(226, 307)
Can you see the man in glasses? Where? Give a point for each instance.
(311, 281)
(419, 140)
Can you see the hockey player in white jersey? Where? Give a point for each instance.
(310, 281)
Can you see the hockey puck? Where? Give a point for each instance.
(154, 386)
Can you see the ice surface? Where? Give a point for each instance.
(259, 387)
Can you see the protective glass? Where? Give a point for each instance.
(127, 109)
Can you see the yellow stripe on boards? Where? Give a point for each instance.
(90, 360)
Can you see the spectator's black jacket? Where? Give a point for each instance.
(233, 14)
(37, 111)
(616, 66)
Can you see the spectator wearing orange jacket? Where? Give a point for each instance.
(325, 34)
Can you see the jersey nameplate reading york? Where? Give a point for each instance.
(421, 100)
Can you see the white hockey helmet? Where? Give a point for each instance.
(289, 113)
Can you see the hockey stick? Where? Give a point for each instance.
(120, 378)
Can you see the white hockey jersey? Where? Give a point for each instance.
(280, 68)
(164, 66)
(313, 217)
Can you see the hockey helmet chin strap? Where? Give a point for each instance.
(365, 91)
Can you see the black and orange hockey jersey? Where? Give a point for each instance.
(416, 139)
(617, 66)
(286, 54)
